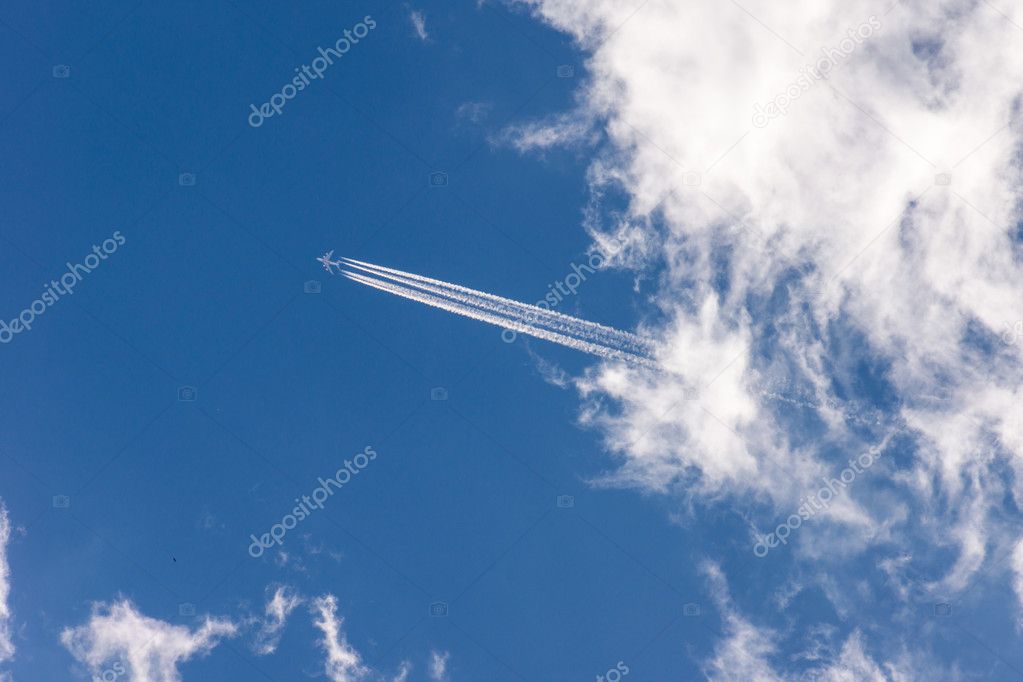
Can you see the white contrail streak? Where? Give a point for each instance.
(517, 325)
(529, 314)
(502, 310)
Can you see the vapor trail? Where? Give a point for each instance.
(517, 325)
(529, 314)
(499, 309)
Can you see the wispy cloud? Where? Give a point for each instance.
(439, 665)
(119, 639)
(745, 650)
(278, 608)
(904, 256)
(474, 112)
(563, 129)
(418, 20)
(862, 250)
(343, 662)
(1017, 581)
(749, 651)
(6, 645)
(149, 649)
(403, 672)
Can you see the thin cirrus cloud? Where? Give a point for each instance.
(404, 670)
(1017, 583)
(278, 608)
(750, 651)
(118, 636)
(418, 20)
(439, 665)
(342, 663)
(871, 221)
(6, 644)
(119, 639)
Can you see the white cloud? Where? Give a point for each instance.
(791, 252)
(854, 665)
(439, 665)
(403, 672)
(561, 130)
(418, 20)
(118, 638)
(278, 608)
(746, 651)
(1017, 583)
(474, 112)
(149, 649)
(6, 645)
(743, 653)
(549, 371)
(343, 662)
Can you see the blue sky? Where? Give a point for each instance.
(207, 372)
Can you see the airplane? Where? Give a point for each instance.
(328, 263)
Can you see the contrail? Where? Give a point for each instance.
(452, 292)
(533, 314)
(504, 322)
(471, 307)
(529, 314)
